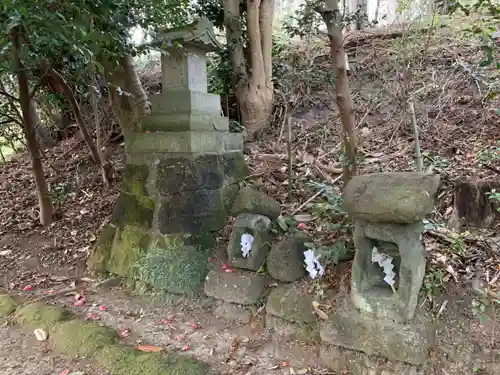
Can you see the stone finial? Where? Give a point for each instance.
(198, 34)
(183, 63)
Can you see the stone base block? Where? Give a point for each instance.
(239, 287)
(345, 361)
(349, 329)
(306, 332)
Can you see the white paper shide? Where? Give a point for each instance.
(246, 244)
(385, 262)
(313, 266)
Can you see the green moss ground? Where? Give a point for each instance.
(75, 337)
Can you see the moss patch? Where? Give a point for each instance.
(7, 305)
(135, 179)
(172, 266)
(80, 338)
(128, 245)
(38, 315)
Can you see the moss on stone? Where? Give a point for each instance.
(7, 305)
(173, 266)
(126, 251)
(135, 179)
(38, 314)
(133, 210)
(79, 338)
(99, 257)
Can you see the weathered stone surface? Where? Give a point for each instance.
(175, 122)
(199, 142)
(395, 197)
(253, 201)
(305, 332)
(369, 292)
(344, 361)
(285, 261)
(350, 329)
(192, 212)
(257, 226)
(133, 210)
(232, 312)
(235, 167)
(180, 175)
(291, 303)
(99, 257)
(237, 287)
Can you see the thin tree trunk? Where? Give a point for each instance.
(134, 86)
(331, 17)
(44, 198)
(96, 156)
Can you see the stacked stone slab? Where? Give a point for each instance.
(181, 176)
(254, 212)
(387, 209)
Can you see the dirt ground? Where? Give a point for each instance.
(466, 343)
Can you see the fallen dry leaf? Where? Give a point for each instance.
(41, 334)
(302, 371)
(91, 316)
(149, 348)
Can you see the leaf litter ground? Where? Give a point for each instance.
(459, 134)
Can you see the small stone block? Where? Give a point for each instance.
(350, 329)
(236, 287)
(135, 179)
(285, 261)
(290, 303)
(394, 197)
(257, 226)
(253, 201)
(235, 167)
(132, 210)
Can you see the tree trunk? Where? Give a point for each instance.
(44, 198)
(331, 17)
(45, 140)
(127, 96)
(252, 79)
(96, 156)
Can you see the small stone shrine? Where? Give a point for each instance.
(381, 317)
(181, 176)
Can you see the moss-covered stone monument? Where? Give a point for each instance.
(181, 176)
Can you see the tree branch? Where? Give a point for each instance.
(11, 97)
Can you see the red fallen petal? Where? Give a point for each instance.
(147, 132)
(229, 270)
(180, 337)
(102, 308)
(64, 372)
(28, 287)
(79, 302)
(210, 259)
(301, 226)
(284, 364)
(124, 332)
(185, 347)
(194, 326)
(224, 266)
(91, 316)
(165, 321)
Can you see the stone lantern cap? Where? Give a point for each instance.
(198, 34)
